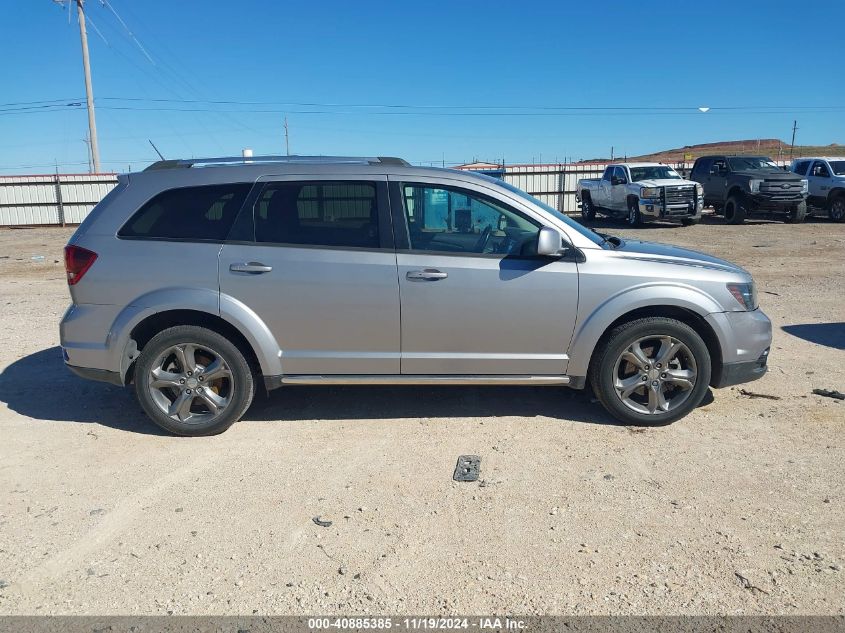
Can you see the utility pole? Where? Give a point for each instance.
(792, 147)
(89, 92)
(287, 137)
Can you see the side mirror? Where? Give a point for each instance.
(550, 243)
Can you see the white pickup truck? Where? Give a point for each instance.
(639, 192)
(826, 181)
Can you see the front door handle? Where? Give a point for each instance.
(255, 268)
(428, 274)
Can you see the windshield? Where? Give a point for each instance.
(738, 163)
(656, 172)
(593, 237)
(838, 167)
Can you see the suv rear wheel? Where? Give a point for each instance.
(651, 371)
(193, 381)
(734, 210)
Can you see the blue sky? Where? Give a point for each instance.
(481, 80)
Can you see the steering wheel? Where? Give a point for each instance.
(481, 245)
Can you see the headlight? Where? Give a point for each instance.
(745, 294)
(699, 191)
(805, 185)
(754, 185)
(650, 192)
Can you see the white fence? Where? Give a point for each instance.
(51, 199)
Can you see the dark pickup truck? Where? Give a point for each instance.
(738, 186)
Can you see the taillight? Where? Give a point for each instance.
(77, 262)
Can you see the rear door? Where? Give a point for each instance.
(605, 189)
(475, 301)
(314, 259)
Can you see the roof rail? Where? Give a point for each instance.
(246, 160)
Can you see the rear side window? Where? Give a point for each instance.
(191, 213)
(339, 214)
(702, 166)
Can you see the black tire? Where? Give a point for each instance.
(238, 385)
(836, 208)
(634, 218)
(607, 362)
(798, 214)
(588, 211)
(735, 210)
(690, 221)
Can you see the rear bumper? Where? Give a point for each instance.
(101, 375)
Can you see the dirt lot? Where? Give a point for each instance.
(738, 508)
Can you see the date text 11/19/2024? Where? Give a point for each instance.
(416, 623)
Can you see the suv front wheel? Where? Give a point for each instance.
(193, 381)
(651, 371)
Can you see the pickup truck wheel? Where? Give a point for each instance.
(588, 211)
(650, 371)
(634, 217)
(734, 210)
(797, 215)
(193, 381)
(837, 209)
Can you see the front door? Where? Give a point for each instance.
(475, 301)
(619, 191)
(315, 260)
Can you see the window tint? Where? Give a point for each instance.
(459, 221)
(619, 174)
(801, 167)
(196, 213)
(607, 173)
(343, 214)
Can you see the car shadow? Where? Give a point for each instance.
(39, 386)
(827, 334)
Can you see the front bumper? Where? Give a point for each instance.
(654, 208)
(738, 373)
(744, 339)
(767, 202)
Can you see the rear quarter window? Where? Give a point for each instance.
(190, 213)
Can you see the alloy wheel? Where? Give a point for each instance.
(837, 209)
(655, 374)
(191, 383)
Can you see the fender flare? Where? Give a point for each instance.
(204, 300)
(590, 330)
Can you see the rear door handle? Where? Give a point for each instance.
(428, 274)
(255, 268)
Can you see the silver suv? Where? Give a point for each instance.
(201, 281)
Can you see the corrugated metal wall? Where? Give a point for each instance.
(51, 199)
(68, 198)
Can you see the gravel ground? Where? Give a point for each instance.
(737, 508)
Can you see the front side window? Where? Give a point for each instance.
(838, 167)
(820, 170)
(619, 174)
(334, 214)
(189, 213)
(463, 222)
